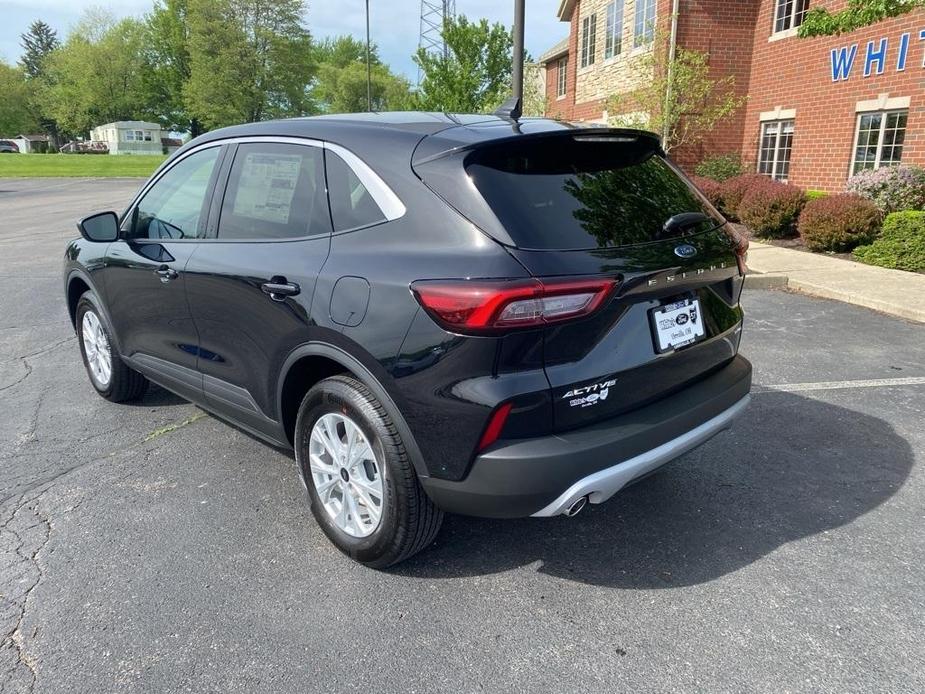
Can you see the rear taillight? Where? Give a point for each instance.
(487, 306)
(495, 425)
(740, 242)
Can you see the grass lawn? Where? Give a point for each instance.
(79, 165)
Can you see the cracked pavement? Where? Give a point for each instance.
(148, 547)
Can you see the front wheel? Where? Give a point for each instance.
(362, 487)
(111, 377)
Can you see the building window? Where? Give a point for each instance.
(614, 43)
(561, 76)
(789, 14)
(588, 39)
(776, 144)
(644, 29)
(880, 138)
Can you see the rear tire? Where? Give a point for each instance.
(111, 377)
(377, 532)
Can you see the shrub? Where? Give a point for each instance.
(891, 188)
(720, 168)
(770, 208)
(733, 190)
(710, 188)
(839, 222)
(901, 246)
(815, 194)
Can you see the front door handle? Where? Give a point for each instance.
(166, 273)
(278, 288)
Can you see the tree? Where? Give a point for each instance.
(250, 60)
(93, 78)
(683, 103)
(475, 74)
(340, 85)
(860, 13)
(166, 70)
(15, 115)
(37, 43)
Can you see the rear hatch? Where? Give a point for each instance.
(607, 203)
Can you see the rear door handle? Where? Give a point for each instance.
(166, 273)
(278, 288)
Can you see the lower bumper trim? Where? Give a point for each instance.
(602, 485)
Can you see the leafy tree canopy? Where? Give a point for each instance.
(15, 116)
(340, 84)
(860, 13)
(475, 74)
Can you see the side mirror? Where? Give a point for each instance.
(100, 227)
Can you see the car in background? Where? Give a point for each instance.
(484, 315)
(8, 147)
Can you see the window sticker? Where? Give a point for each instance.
(267, 186)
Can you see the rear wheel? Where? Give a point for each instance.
(363, 489)
(111, 377)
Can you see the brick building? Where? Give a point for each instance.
(818, 109)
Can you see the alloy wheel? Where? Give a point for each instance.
(96, 348)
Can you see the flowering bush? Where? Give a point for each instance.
(733, 190)
(770, 208)
(839, 222)
(891, 188)
(710, 188)
(720, 168)
(901, 245)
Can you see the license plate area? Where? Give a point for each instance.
(676, 325)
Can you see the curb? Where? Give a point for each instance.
(755, 280)
(905, 313)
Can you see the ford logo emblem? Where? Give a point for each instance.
(685, 250)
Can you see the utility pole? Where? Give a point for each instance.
(369, 89)
(517, 78)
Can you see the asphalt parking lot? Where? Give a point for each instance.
(150, 547)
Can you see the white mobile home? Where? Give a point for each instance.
(129, 137)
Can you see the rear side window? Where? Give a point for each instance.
(352, 206)
(275, 191)
(583, 192)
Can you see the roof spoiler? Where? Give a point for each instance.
(510, 109)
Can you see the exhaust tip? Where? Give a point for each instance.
(576, 507)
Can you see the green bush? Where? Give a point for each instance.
(770, 209)
(839, 223)
(901, 246)
(815, 194)
(733, 190)
(720, 168)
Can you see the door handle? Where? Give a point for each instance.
(166, 273)
(278, 288)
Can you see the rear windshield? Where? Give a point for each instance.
(584, 192)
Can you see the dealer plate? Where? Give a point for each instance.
(676, 325)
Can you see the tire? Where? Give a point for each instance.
(407, 520)
(122, 383)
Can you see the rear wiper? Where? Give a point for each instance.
(680, 222)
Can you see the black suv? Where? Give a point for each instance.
(470, 314)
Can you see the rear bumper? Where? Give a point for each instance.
(544, 476)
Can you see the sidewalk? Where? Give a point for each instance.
(895, 292)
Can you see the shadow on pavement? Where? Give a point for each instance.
(791, 467)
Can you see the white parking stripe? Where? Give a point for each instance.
(842, 385)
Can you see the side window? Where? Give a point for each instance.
(351, 204)
(174, 207)
(275, 191)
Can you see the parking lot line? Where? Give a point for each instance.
(841, 385)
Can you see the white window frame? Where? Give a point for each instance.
(792, 18)
(776, 160)
(613, 38)
(878, 160)
(588, 39)
(643, 25)
(561, 76)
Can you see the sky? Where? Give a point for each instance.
(394, 24)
